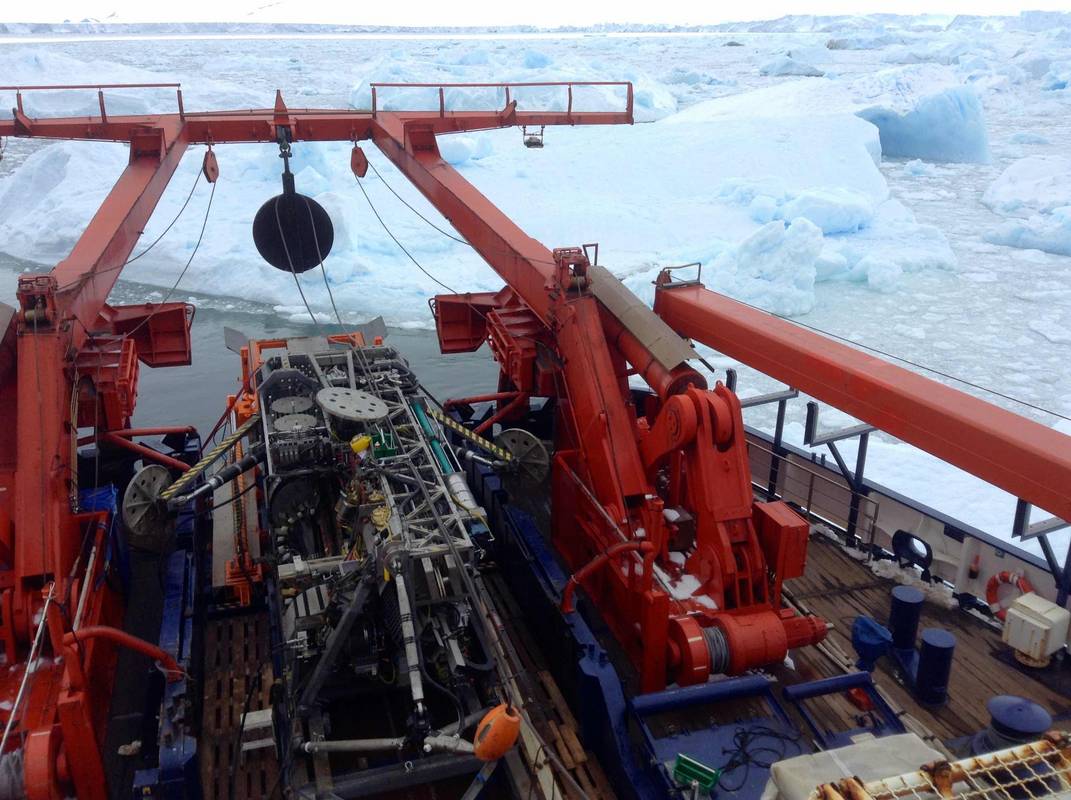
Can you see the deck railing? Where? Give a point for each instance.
(99, 87)
(509, 89)
(893, 526)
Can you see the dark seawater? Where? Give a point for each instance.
(197, 394)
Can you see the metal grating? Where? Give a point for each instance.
(1031, 771)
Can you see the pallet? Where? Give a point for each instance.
(547, 708)
(237, 651)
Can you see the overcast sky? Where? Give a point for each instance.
(482, 12)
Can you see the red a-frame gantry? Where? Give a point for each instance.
(66, 362)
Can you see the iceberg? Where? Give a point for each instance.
(921, 111)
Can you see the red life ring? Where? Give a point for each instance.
(992, 590)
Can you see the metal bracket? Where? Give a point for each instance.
(665, 280)
(1022, 529)
(812, 438)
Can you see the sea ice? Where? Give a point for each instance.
(773, 268)
(1058, 77)
(1048, 232)
(1032, 184)
(1028, 137)
(785, 65)
(1036, 192)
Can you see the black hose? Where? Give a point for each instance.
(438, 686)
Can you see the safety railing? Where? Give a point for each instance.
(817, 494)
(99, 87)
(890, 525)
(510, 90)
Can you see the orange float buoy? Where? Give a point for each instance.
(992, 590)
(496, 733)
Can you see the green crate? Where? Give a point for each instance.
(384, 444)
(687, 770)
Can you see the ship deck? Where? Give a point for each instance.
(840, 588)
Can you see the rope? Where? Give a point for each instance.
(196, 247)
(395, 238)
(189, 475)
(290, 262)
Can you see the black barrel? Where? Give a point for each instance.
(935, 666)
(904, 616)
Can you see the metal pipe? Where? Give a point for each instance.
(144, 452)
(634, 545)
(412, 655)
(356, 745)
(31, 668)
(664, 382)
(84, 594)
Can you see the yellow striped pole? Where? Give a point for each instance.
(475, 438)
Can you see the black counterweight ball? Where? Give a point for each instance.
(293, 232)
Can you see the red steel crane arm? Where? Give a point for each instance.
(88, 274)
(605, 423)
(1023, 457)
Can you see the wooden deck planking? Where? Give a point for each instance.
(839, 588)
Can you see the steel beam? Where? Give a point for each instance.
(1023, 457)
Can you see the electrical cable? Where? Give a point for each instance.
(395, 238)
(231, 499)
(878, 351)
(746, 749)
(320, 257)
(290, 262)
(152, 244)
(446, 233)
(171, 224)
(182, 274)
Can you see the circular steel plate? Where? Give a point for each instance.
(291, 405)
(530, 457)
(291, 423)
(146, 518)
(351, 404)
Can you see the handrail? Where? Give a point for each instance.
(569, 85)
(870, 516)
(100, 87)
(90, 86)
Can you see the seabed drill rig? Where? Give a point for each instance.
(566, 587)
